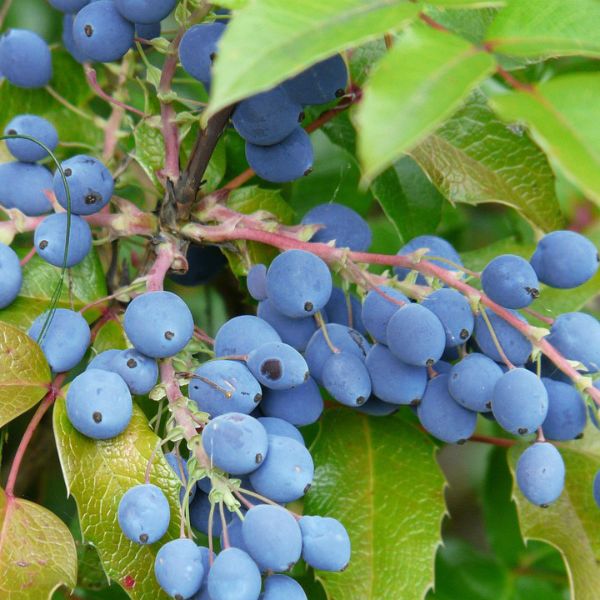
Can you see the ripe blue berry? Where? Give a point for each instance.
(23, 186)
(520, 401)
(65, 340)
(565, 259)
(272, 537)
(10, 275)
(455, 315)
(147, 31)
(541, 473)
(199, 515)
(204, 262)
(103, 361)
(285, 161)
(235, 442)
(472, 381)
(597, 488)
(275, 426)
(234, 576)
(138, 371)
(346, 378)
(51, 235)
(342, 224)
(416, 336)
(299, 406)
(256, 282)
(567, 414)
(241, 335)
(345, 310)
(25, 59)
(375, 407)
(198, 47)
(90, 185)
(278, 366)
(378, 308)
(576, 336)
(222, 386)
(145, 11)
(179, 568)
(278, 587)
(294, 332)
(510, 281)
(159, 324)
(321, 83)
(325, 543)
(287, 472)
(69, 41)
(101, 32)
(99, 404)
(33, 126)
(144, 514)
(234, 530)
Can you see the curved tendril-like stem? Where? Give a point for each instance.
(496, 340)
(224, 526)
(323, 327)
(211, 516)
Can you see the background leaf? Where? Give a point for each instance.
(37, 551)
(24, 373)
(370, 472)
(98, 473)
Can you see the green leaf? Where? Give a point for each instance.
(39, 282)
(149, 150)
(294, 35)
(547, 28)
(563, 116)
(466, 3)
(37, 551)
(215, 170)
(371, 472)
(474, 158)
(417, 85)
(98, 473)
(252, 199)
(24, 373)
(572, 523)
(110, 336)
(408, 198)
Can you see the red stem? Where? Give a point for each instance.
(495, 441)
(28, 257)
(93, 81)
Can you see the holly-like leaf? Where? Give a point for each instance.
(542, 28)
(474, 158)
(24, 373)
(563, 116)
(37, 551)
(293, 35)
(419, 83)
(572, 523)
(98, 473)
(370, 472)
(149, 150)
(252, 199)
(40, 279)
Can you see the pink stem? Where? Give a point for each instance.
(162, 264)
(93, 81)
(28, 257)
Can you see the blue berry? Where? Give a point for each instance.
(325, 543)
(299, 406)
(145, 11)
(392, 380)
(287, 472)
(597, 488)
(69, 41)
(233, 576)
(50, 239)
(294, 332)
(180, 468)
(222, 386)
(565, 259)
(139, 371)
(441, 367)
(378, 308)
(576, 336)
(241, 335)
(159, 324)
(519, 401)
(35, 127)
(342, 224)
(442, 416)
(256, 282)
(101, 32)
(345, 310)
(198, 46)
(235, 442)
(199, 514)
(346, 378)
(234, 531)
(23, 185)
(541, 473)
(147, 31)
(472, 381)
(514, 344)
(275, 426)
(25, 59)
(454, 312)
(103, 361)
(90, 184)
(416, 336)
(285, 161)
(510, 281)
(437, 247)
(69, 6)
(343, 338)
(179, 568)
(321, 83)
(279, 587)
(99, 404)
(375, 407)
(272, 537)
(567, 414)
(144, 514)
(10, 275)
(278, 366)
(267, 118)
(65, 340)
(204, 262)
(202, 593)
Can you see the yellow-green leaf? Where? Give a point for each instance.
(37, 551)
(24, 373)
